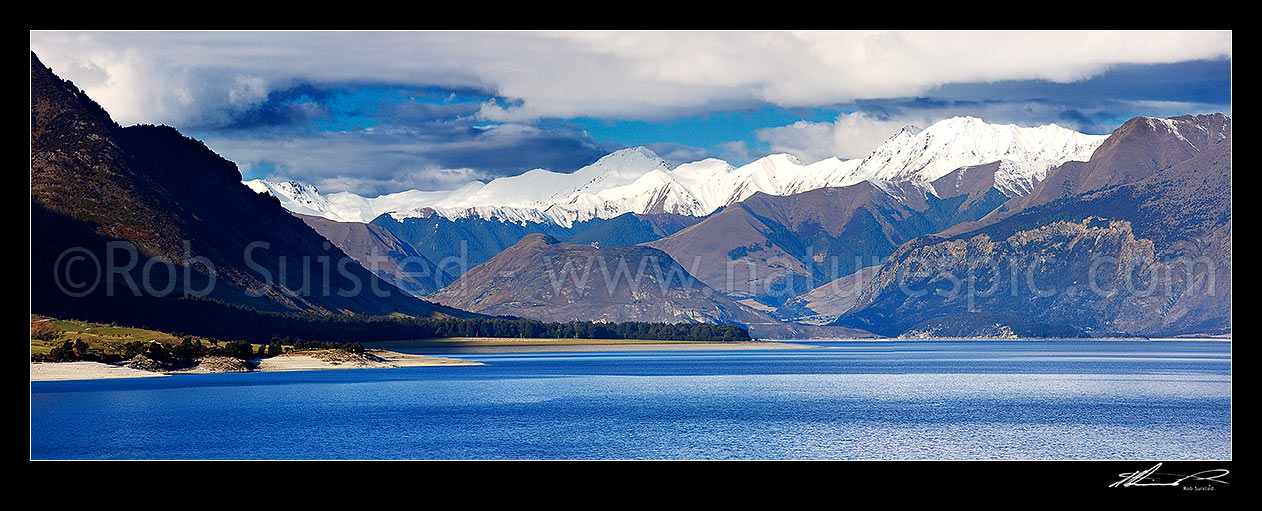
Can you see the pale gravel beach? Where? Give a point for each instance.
(384, 359)
(53, 371)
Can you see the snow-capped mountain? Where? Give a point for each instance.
(297, 197)
(354, 208)
(636, 180)
(921, 156)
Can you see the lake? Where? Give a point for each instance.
(901, 400)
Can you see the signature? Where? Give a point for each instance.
(1151, 477)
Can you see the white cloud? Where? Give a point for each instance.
(850, 136)
(200, 77)
(855, 135)
(738, 153)
(428, 178)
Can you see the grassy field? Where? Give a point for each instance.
(99, 336)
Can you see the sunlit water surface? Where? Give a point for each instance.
(1163, 400)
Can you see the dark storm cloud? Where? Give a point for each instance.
(296, 106)
(1198, 81)
(1094, 105)
(379, 112)
(378, 138)
(501, 151)
(377, 160)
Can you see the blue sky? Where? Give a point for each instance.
(381, 112)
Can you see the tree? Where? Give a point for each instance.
(80, 348)
(133, 348)
(63, 353)
(189, 349)
(158, 351)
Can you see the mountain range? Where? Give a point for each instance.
(635, 180)
(642, 193)
(958, 229)
(1135, 241)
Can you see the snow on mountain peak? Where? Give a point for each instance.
(297, 197)
(631, 158)
(965, 141)
(637, 180)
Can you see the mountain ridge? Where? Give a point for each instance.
(636, 180)
(179, 215)
(542, 278)
(1148, 257)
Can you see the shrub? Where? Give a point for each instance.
(63, 353)
(80, 348)
(237, 349)
(158, 351)
(43, 330)
(133, 348)
(189, 349)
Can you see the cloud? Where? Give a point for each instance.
(678, 153)
(739, 153)
(856, 134)
(852, 135)
(431, 178)
(380, 160)
(203, 77)
(377, 112)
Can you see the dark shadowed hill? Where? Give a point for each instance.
(545, 279)
(773, 248)
(125, 216)
(542, 278)
(633, 229)
(383, 253)
(460, 244)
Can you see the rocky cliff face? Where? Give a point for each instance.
(1148, 257)
(1037, 282)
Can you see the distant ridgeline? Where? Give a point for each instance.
(218, 320)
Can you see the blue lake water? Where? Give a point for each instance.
(934, 400)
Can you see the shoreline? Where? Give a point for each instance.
(377, 359)
(474, 345)
(301, 361)
(1008, 339)
(64, 371)
(385, 354)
